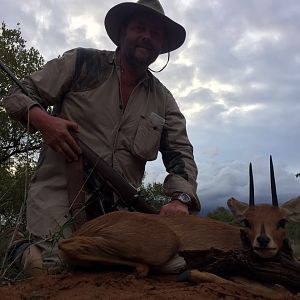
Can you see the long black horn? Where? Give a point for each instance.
(273, 184)
(251, 187)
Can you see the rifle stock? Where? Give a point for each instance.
(127, 193)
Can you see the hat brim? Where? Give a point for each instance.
(175, 33)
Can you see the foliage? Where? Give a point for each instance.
(21, 61)
(16, 163)
(293, 230)
(13, 187)
(297, 175)
(154, 194)
(221, 214)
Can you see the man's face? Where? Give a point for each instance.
(142, 39)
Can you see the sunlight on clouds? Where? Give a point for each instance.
(42, 18)
(243, 109)
(195, 84)
(213, 85)
(258, 86)
(187, 3)
(192, 109)
(217, 87)
(184, 59)
(253, 40)
(87, 23)
(194, 40)
(214, 4)
(249, 70)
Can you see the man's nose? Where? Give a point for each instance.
(147, 34)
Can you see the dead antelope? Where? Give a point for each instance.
(153, 241)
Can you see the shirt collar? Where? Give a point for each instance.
(147, 80)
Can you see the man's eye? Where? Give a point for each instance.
(157, 34)
(140, 27)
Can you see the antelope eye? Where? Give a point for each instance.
(246, 223)
(281, 223)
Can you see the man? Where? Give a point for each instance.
(119, 109)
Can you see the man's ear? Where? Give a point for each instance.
(237, 208)
(293, 207)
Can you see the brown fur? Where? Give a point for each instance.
(142, 240)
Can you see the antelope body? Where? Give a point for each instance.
(144, 241)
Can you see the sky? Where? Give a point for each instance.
(236, 79)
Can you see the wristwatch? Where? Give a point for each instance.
(182, 197)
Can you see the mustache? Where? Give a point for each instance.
(145, 44)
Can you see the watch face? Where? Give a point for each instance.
(184, 198)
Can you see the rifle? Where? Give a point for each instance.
(127, 193)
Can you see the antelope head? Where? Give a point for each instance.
(265, 223)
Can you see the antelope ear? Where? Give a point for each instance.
(293, 206)
(237, 208)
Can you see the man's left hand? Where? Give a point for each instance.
(174, 208)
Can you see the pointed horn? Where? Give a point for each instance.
(251, 187)
(273, 184)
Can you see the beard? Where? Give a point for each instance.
(140, 53)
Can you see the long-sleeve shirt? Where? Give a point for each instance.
(85, 85)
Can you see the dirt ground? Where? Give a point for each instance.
(120, 284)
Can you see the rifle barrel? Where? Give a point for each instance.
(14, 78)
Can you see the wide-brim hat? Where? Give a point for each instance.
(117, 15)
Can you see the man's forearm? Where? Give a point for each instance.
(38, 118)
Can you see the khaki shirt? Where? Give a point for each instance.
(85, 84)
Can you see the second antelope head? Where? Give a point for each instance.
(265, 223)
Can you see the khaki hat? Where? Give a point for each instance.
(117, 15)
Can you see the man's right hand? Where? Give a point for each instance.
(56, 132)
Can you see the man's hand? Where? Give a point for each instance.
(173, 208)
(56, 133)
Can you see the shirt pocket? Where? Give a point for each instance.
(147, 138)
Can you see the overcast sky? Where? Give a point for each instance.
(236, 79)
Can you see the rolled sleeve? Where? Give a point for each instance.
(46, 87)
(177, 155)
